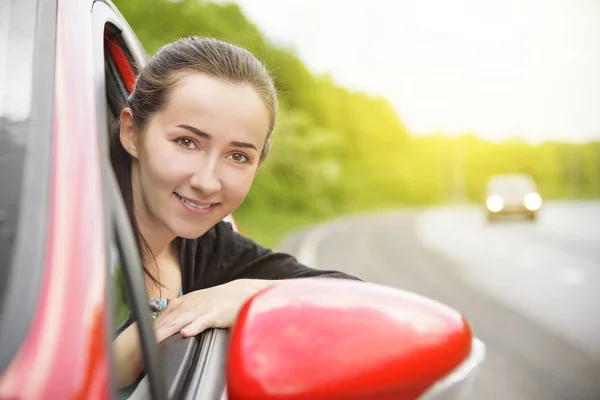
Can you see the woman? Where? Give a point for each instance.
(194, 134)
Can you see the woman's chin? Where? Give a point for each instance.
(191, 233)
(189, 230)
(192, 226)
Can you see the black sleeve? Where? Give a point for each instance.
(245, 259)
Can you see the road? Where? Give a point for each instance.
(531, 291)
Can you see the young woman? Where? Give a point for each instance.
(185, 151)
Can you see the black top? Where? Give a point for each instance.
(222, 255)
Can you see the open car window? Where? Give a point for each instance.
(128, 293)
(189, 367)
(126, 288)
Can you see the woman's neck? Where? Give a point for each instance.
(156, 235)
(157, 238)
(162, 254)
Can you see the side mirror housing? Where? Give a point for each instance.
(321, 338)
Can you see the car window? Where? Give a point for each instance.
(127, 300)
(512, 184)
(189, 367)
(122, 309)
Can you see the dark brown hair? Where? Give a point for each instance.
(156, 80)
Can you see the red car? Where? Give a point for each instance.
(70, 270)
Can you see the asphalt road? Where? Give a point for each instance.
(531, 291)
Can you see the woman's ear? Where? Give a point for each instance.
(127, 133)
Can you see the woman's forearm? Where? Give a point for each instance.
(128, 357)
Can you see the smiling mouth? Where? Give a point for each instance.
(194, 205)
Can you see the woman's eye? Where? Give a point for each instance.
(186, 143)
(239, 158)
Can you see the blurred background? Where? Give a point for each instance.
(396, 119)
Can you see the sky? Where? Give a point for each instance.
(510, 68)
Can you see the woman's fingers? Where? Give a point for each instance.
(168, 325)
(200, 324)
(172, 305)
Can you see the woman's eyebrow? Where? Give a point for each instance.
(244, 144)
(197, 131)
(205, 135)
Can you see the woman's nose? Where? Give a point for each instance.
(206, 181)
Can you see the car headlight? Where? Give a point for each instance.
(495, 203)
(533, 201)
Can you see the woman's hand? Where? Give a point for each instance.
(215, 307)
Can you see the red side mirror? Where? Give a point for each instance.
(335, 339)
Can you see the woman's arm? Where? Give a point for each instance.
(127, 352)
(215, 307)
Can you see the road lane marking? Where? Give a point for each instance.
(309, 245)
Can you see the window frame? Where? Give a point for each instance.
(117, 228)
(191, 367)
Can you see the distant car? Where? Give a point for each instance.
(512, 194)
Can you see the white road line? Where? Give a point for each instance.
(308, 248)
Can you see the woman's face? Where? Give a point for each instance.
(198, 157)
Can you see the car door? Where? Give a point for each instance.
(179, 367)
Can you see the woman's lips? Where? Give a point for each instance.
(193, 207)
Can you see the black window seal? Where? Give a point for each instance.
(27, 269)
